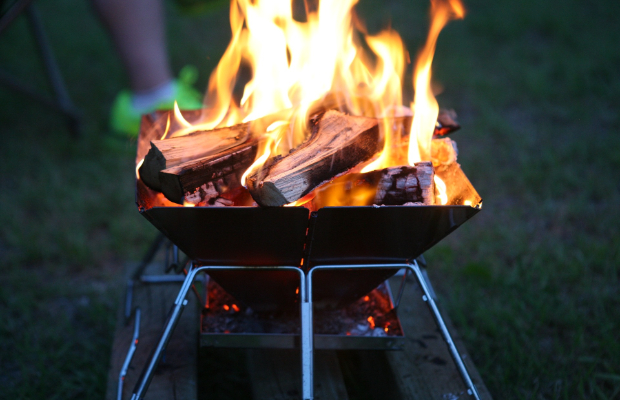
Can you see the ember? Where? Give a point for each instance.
(351, 320)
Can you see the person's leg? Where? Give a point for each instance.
(138, 31)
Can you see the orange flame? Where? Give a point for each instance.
(425, 107)
(297, 64)
(327, 61)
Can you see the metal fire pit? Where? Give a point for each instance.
(255, 236)
(278, 259)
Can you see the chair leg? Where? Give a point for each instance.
(53, 72)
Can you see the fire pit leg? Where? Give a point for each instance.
(428, 298)
(307, 336)
(175, 314)
(181, 301)
(130, 352)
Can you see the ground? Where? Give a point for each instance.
(532, 282)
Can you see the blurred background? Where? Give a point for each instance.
(531, 283)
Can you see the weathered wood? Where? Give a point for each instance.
(168, 153)
(221, 172)
(424, 369)
(337, 143)
(175, 378)
(276, 375)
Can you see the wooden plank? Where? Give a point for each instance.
(175, 378)
(276, 375)
(424, 369)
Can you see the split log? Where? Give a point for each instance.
(218, 174)
(338, 142)
(168, 153)
(389, 186)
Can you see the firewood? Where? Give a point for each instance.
(337, 143)
(171, 152)
(389, 186)
(446, 123)
(443, 151)
(221, 172)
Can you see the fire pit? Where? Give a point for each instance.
(300, 198)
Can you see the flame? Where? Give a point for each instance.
(235, 307)
(226, 307)
(371, 321)
(176, 107)
(297, 65)
(323, 60)
(138, 168)
(425, 107)
(441, 189)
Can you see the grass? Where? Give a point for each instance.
(532, 283)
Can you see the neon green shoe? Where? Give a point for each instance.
(125, 119)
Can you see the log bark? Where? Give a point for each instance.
(168, 153)
(220, 173)
(338, 142)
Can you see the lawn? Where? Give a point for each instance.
(532, 282)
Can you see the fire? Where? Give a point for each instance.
(441, 188)
(371, 322)
(324, 59)
(425, 107)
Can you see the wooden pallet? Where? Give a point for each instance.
(423, 370)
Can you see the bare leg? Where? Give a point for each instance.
(138, 30)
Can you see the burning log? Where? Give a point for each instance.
(446, 123)
(389, 186)
(215, 174)
(338, 142)
(168, 153)
(400, 185)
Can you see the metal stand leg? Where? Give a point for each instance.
(181, 302)
(307, 339)
(130, 352)
(427, 297)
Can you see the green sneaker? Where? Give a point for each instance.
(125, 119)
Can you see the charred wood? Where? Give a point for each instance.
(338, 142)
(216, 174)
(171, 152)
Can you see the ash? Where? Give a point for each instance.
(371, 315)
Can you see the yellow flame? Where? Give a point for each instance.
(168, 123)
(269, 145)
(295, 65)
(179, 117)
(138, 168)
(441, 189)
(425, 107)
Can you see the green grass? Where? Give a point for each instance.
(532, 282)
